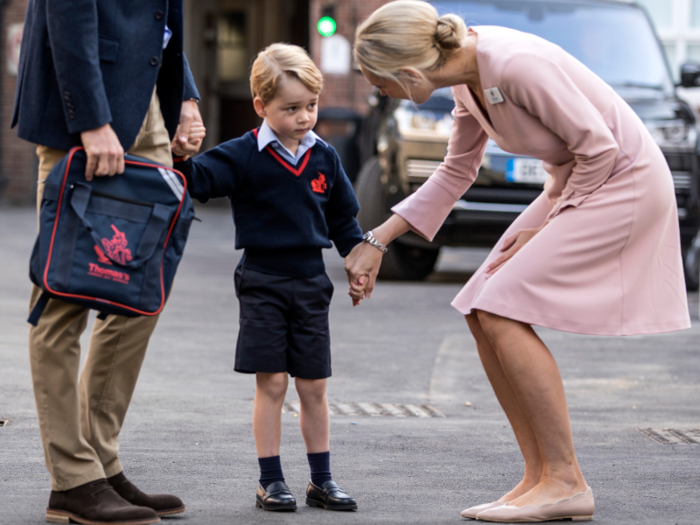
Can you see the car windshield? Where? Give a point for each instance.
(616, 42)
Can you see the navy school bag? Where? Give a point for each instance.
(112, 244)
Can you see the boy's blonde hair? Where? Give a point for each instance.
(283, 60)
(407, 33)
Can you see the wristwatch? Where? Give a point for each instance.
(369, 238)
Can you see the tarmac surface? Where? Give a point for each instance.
(188, 431)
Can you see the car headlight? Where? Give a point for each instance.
(673, 133)
(423, 125)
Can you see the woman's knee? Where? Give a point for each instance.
(474, 324)
(488, 322)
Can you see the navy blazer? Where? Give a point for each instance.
(86, 63)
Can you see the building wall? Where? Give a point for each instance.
(17, 159)
(677, 23)
(269, 21)
(226, 104)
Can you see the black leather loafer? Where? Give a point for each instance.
(329, 497)
(277, 497)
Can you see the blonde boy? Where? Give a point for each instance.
(290, 198)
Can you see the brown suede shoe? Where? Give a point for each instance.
(96, 503)
(163, 504)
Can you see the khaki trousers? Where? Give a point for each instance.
(80, 419)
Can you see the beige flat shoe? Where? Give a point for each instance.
(471, 512)
(579, 507)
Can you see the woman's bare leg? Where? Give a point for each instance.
(514, 411)
(534, 377)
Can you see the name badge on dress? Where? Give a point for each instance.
(493, 95)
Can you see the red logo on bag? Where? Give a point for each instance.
(101, 257)
(108, 273)
(116, 248)
(319, 185)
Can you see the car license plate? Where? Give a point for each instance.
(527, 171)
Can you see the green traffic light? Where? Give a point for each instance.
(326, 26)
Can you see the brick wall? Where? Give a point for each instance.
(18, 164)
(348, 91)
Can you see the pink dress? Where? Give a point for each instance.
(609, 261)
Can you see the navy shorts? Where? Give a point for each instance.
(283, 324)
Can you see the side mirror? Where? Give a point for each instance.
(690, 74)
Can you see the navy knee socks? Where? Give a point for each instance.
(270, 470)
(320, 465)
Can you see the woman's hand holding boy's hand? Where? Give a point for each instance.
(363, 262)
(362, 265)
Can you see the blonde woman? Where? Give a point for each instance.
(598, 252)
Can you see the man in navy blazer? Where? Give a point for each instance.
(112, 76)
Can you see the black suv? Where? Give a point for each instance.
(404, 143)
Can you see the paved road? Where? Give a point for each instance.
(189, 432)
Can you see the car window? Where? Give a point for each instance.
(615, 41)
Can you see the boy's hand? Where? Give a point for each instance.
(194, 140)
(190, 131)
(357, 290)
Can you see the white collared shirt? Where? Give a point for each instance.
(167, 35)
(267, 137)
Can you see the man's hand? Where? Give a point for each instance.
(105, 155)
(190, 131)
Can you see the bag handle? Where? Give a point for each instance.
(157, 224)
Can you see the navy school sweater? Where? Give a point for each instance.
(284, 215)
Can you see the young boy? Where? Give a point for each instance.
(290, 197)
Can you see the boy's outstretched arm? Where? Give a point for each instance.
(214, 173)
(342, 207)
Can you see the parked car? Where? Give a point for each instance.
(403, 143)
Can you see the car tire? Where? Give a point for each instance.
(401, 262)
(691, 265)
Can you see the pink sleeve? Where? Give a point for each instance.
(427, 208)
(547, 92)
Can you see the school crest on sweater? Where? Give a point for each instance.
(319, 185)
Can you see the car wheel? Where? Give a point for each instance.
(401, 262)
(692, 265)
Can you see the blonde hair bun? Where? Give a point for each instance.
(407, 34)
(450, 32)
